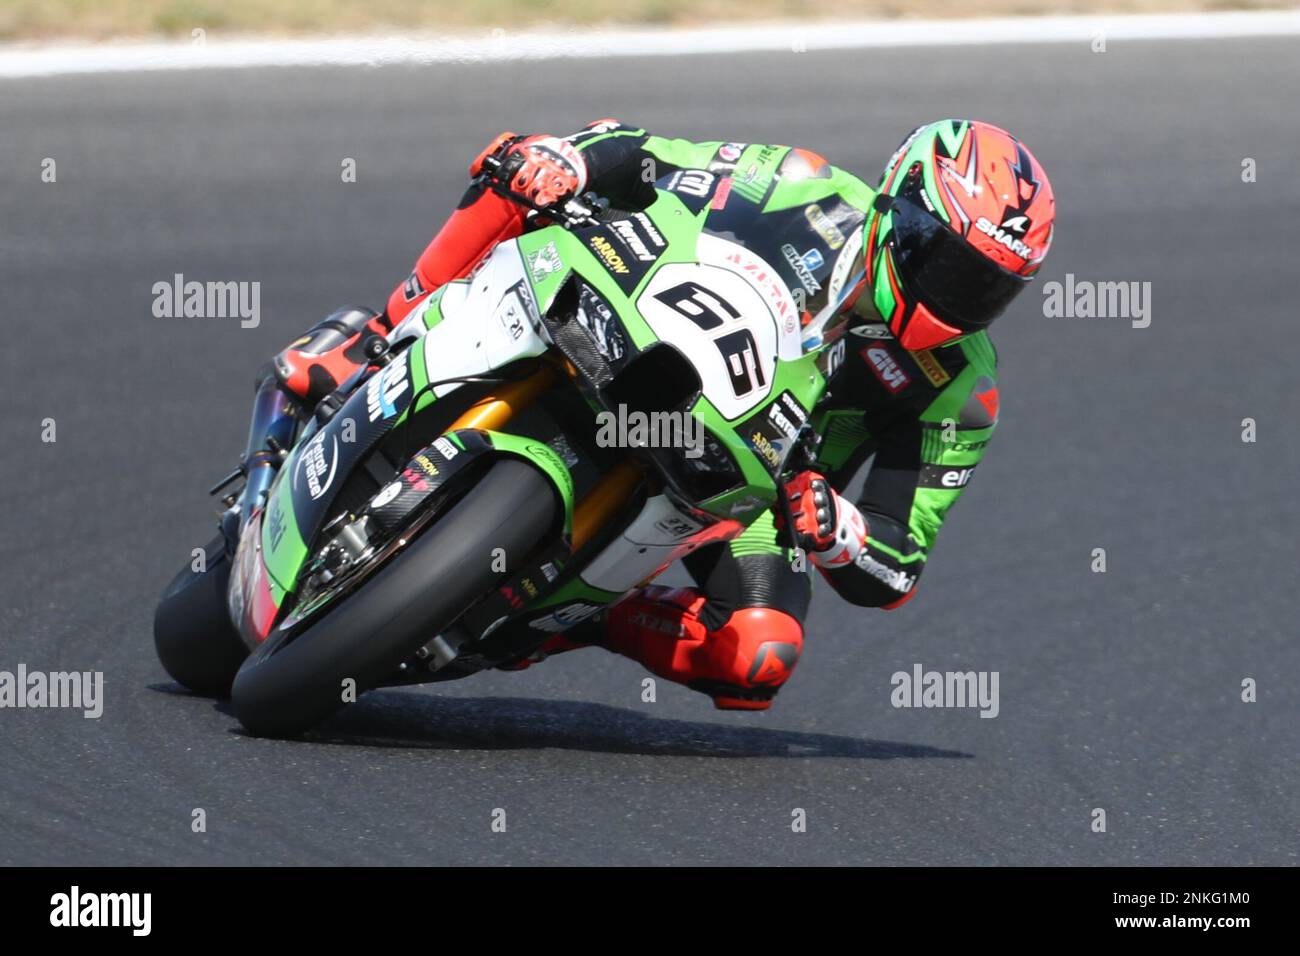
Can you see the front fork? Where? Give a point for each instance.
(270, 435)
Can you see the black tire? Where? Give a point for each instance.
(192, 633)
(284, 689)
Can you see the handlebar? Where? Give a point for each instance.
(571, 214)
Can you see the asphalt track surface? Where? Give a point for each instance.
(1118, 690)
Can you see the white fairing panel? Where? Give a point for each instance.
(488, 322)
(658, 536)
(731, 315)
(767, 280)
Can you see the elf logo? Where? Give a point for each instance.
(956, 477)
(946, 478)
(889, 372)
(1001, 235)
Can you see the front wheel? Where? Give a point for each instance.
(286, 687)
(192, 633)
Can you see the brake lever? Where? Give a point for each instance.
(571, 215)
(803, 445)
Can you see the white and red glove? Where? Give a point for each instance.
(544, 170)
(828, 527)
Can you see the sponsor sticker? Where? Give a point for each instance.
(946, 477)
(730, 152)
(385, 387)
(824, 226)
(675, 527)
(544, 262)
(605, 251)
(887, 369)
(386, 494)
(1005, 235)
(935, 372)
(804, 265)
(317, 467)
(275, 524)
(692, 182)
(721, 193)
(640, 236)
(874, 330)
(411, 288)
(745, 505)
(898, 580)
(561, 619)
(772, 430)
(754, 181)
(511, 316)
(833, 358)
(847, 269)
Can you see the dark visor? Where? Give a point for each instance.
(939, 268)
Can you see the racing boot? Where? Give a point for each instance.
(740, 665)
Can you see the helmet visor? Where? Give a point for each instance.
(940, 269)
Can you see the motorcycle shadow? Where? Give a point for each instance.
(401, 719)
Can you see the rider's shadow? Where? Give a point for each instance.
(391, 718)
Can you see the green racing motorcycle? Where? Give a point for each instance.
(474, 489)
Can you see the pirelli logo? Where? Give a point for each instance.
(935, 372)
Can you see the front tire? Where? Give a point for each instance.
(192, 633)
(284, 689)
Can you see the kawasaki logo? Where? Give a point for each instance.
(897, 580)
(1001, 235)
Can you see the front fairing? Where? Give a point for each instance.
(661, 279)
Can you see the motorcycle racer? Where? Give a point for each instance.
(915, 270)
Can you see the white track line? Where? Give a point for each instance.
(27, 61)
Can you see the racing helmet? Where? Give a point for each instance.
(961, 222)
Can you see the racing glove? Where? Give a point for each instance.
(544, 170)
(828, 527)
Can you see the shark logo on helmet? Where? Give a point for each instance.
(1001, 235)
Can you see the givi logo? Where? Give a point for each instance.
(889, 372)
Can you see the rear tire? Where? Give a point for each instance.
(192, 633)
(284, 689)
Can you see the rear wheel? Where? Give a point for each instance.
(287, 686)
(192, 633)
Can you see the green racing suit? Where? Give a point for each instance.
(925, 416)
